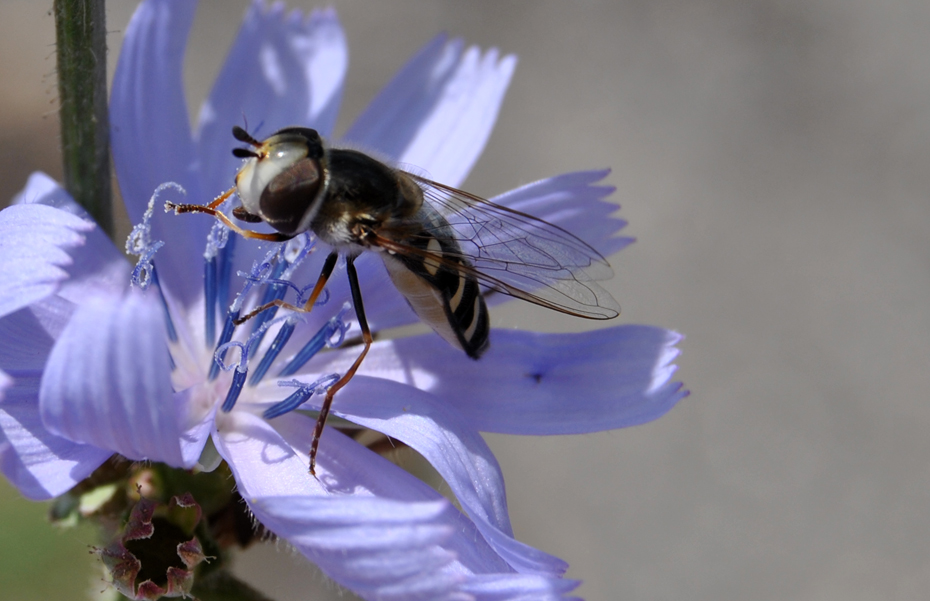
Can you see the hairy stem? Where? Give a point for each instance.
(80, 28)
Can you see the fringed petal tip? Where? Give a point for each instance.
(438, 112)
(36, 242)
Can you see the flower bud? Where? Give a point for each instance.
(157, 552)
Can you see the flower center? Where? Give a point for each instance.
(244, 355)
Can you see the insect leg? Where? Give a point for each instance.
(366, 337)
(210, 210)
(328, 266)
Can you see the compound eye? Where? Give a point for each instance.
(288, 202)
(258, 173)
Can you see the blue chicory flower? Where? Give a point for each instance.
(85, 370)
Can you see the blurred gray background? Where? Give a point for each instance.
(771, 157)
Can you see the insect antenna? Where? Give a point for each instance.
(244, 153)
(244, 136)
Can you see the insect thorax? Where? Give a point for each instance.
(364, 192)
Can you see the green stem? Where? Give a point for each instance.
(80, 28)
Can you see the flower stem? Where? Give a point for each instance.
(80, 29)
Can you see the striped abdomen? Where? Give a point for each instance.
(446, 298)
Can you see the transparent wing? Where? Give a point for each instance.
(517, 254)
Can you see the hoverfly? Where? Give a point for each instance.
(439, 245)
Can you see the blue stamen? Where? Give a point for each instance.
(219, 360)
(257, 275)
(272, 293)
(234, 389)
(139, 243)
(216, 242)
(300, 396)
(228, 328)
(169, 323)
(292, 402)
(317, 342)
(299, 248)
(284, 334)
(300, 292)
(226, 263)
(210, 300)
(142, 273)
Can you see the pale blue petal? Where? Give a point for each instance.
(455, 450)
(43, 190)
(195, 436)
(271, 460)
(38, 463)
(263, 463)
(536, 383)
(268, 467)
(519, 588)
(96, 265)
(282, 70)
(437, 113)
(28, 335)
(107, 380)
(151, 137)
(34, 245)
(379, 548)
